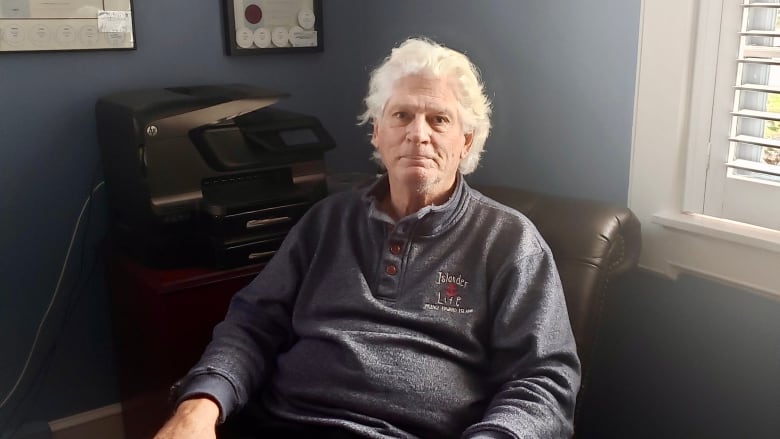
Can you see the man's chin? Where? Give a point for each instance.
(421, 180)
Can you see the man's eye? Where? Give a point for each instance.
(400, 115)
(440, 120)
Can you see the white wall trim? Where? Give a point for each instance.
(82, 421)
(721, 250)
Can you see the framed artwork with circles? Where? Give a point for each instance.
(272, 26)
(47, 26)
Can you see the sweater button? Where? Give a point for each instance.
(391, 270)
(395, 249)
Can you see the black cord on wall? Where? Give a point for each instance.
(13, 413)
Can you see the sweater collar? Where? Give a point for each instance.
(430, 220)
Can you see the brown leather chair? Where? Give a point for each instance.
(593, 244)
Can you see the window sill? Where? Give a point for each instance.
(738, 254)
(720, 229)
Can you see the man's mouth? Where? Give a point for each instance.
(416, 157)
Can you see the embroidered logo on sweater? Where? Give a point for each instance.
(448, 296)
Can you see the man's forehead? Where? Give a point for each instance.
(415, 103)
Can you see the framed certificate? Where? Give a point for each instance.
(45, 25)
(272, 26)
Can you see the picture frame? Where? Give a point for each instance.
(68, 25)
(253, 27)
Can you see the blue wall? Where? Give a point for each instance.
(562, 79)
(560, 74)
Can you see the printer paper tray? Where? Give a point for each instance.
(269, 220)
(247, 252)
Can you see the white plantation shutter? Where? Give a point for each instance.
(742, 174)
(755, 148)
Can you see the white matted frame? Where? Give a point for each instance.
(255, 27)
(66, 25)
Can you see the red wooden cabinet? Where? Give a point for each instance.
(163, 320)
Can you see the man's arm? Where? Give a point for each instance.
(534, 356)
(194, 419)
(245, 344)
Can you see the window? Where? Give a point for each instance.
(742, 150)
(704, 178)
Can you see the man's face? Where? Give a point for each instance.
(419, 136)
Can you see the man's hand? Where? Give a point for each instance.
(194, 419)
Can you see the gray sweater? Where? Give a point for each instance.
(450, 322)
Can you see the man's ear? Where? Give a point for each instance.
(467, 147)
(374, 133)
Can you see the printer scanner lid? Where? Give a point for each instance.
(216, 104)
(172, 112)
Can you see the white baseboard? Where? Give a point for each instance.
(101, 423)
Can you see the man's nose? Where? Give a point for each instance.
(418, 130)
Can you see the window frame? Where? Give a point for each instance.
(675, 89)
(713, 99)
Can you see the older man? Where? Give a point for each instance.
(416, 307)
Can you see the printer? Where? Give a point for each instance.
(207, 175)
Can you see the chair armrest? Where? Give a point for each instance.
(592, 242)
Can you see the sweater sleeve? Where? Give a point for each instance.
(534, 356)
(256, 327)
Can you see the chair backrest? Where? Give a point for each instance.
(592, 242)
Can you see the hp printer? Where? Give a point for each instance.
(207, 175)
